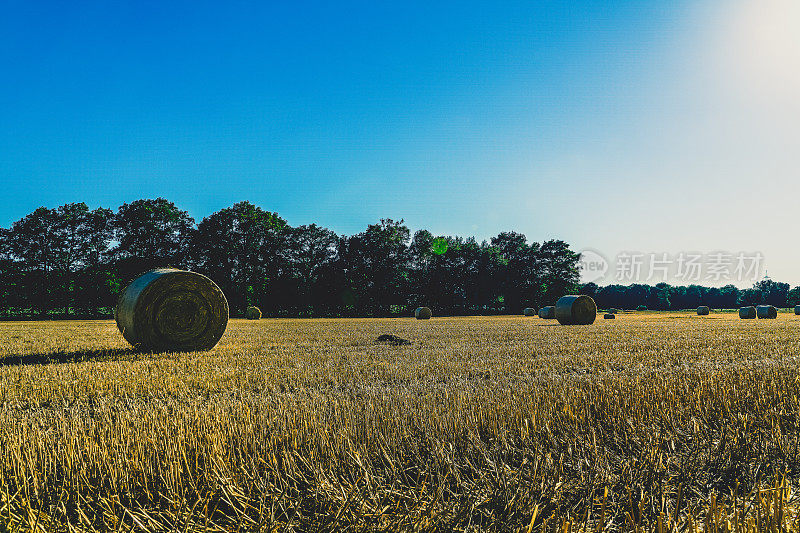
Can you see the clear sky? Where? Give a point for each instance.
(642, 126)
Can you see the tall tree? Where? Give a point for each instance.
(775, 293)
(481, 271)
(560, 269)
(81, 238)
(444, 285)
(308, 252)
(11, 290)
(375, 263)
(518, 268)
(752, 296)
(589, 289)
(32, 242)
(728, 297)
(240, 248)
(659, 297)
(793, 297)
(150, 234)
(421, 253)
(455, 275)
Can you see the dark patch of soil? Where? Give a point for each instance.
(393, 340)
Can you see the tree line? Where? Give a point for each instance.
(668, 297)
(73, 261)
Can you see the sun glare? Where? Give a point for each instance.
(761, 47)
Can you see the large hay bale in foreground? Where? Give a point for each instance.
(577, 309)
(253, 313)
(747, 312)
(609, 316)
(422, 313)
(548, 312)
(172, 310)
(529, 311)
(797, 309)
(703, 310)
(766, 311)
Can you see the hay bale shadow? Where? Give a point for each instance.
(59, 356)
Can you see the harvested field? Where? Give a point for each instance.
(480, 424)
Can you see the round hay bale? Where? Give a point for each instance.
(253, 313)
(747, 312)
(797, 309)
(703, 310)
(172, 310)
(766, 311)
(548, 312)
(609, 316)
(529, 311)
(575, 310)
(422, 313)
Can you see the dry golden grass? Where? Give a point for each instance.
(654, 421)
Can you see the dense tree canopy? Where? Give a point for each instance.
(239, 247)
(73, 261)
(149, 234)
(666, 297)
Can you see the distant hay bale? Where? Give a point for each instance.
(422, 313)
(797, 309)
(766, 311)
(529, 311)
(172, 310)
(548, 312)
(609, 316)
(747, 312)
(703, 310)
(253, 313)
(577, 309)
(641, 308)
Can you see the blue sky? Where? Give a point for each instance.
(618, 126)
